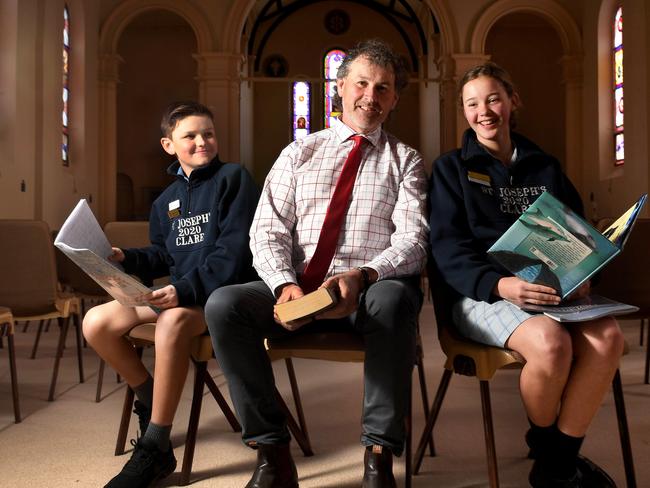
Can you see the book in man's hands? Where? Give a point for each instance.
(551, 245)
(83, 241)
(582, 309)
(307, 306)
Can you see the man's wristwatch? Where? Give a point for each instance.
(365, 277)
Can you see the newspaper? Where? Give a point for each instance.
(84, 242)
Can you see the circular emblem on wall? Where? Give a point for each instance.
(275, 66)
(337, 22)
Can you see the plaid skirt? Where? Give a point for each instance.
(487, 323)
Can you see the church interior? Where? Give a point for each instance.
(83, 84)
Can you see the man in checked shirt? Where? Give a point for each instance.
(378, 257)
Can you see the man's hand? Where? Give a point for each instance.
(117, 256)
(290, 292)
(163, 298)
(348, 287)
(519, 291)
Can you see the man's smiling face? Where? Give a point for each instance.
(368, 94)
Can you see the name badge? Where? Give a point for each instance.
(174, 209)
(479, 178)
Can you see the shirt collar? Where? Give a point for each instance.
(344, 132)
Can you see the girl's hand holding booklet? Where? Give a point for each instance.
(551, 245)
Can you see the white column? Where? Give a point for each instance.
(107, 126)
(219, 84)
(572, 80)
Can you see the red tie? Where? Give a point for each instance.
(316, 269)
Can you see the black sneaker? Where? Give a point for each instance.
(146, 466)
(144, 416)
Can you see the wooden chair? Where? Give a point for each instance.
(29, 288)
(469, 358)
(143, 336)
(333, 346)
(627, 279)
(7, 330)
(122, 234)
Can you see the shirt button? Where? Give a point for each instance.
(338, 262)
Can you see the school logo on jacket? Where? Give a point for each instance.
(191, 230)
(515, 200)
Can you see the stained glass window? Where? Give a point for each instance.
(301, 104)
(619, 139)
(331, 63)
(65, 143)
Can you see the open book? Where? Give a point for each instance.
(551, 245)
(83, 241)
(582, 309)
(307, 306)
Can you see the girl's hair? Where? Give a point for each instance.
(497, 73)
(177, 111)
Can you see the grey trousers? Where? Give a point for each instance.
(239, 317)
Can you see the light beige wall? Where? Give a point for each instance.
(529, 48)
(19, 81)
(155, 72)
(31, 100)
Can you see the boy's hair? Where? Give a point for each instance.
(177, 111)
(496, 72)
(379, 53)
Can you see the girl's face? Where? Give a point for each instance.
(487, 108)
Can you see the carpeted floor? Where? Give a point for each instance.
(70, 442)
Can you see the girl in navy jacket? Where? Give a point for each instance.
(477, 192)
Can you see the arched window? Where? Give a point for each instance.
(301, 103)
(65, 143)
(619, 140)
(331, 63)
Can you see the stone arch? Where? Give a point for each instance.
(124, 13)
(109, 62)
(571, 61)
(241, 9)
(557, 16)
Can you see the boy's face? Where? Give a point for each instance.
(193, 142)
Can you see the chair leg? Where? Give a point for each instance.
(39, 331)
(25, 325)
(129, 396)
(296, 396)
(221, 401)
(425, 397)
(193, 425)
(647, 359)
(623, 430)
(63, 332)
(100, 380)
(641, 331)
(431, 419)
(302, 440)
(408, 451)
(488, 428)
(76, 322)
(14, 377)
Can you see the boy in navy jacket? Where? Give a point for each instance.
(199, 237)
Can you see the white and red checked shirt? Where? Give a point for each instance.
(385, 227)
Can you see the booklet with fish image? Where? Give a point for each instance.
(551, 245)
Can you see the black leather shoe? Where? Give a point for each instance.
(275, 468)
(539, 477)
(593, 476)
(378, 468)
